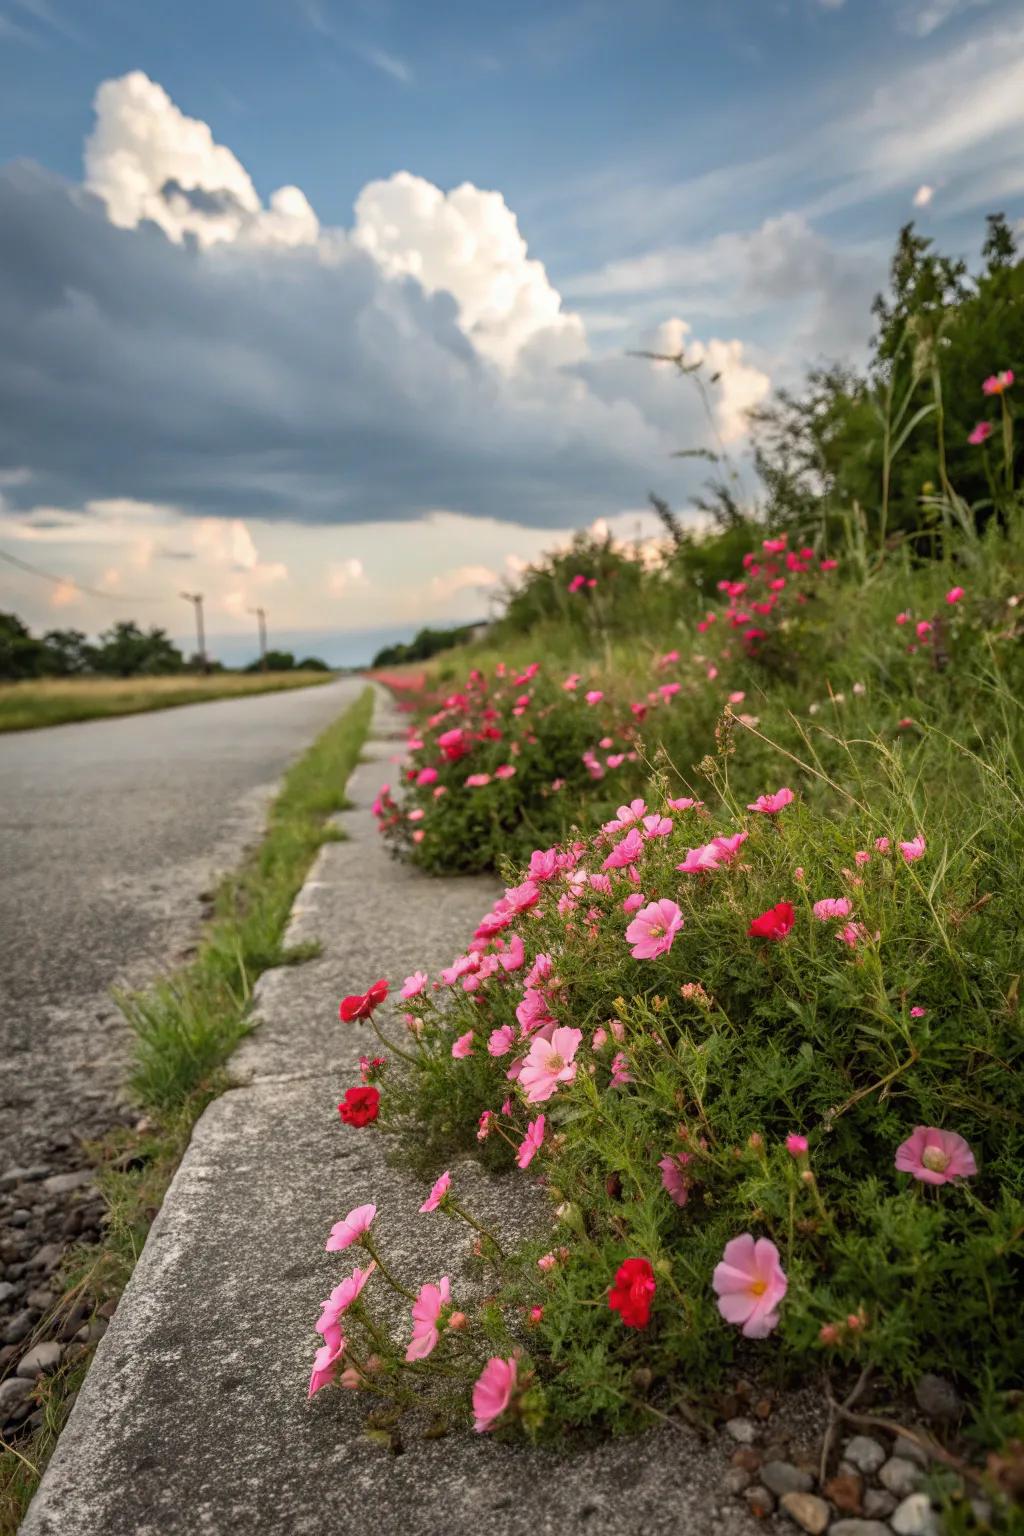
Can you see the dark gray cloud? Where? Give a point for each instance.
(247, 381)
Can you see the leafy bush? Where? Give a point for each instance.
(691, 1068)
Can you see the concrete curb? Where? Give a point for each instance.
(193, 1417)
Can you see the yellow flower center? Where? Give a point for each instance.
(935, 1159)
(555, 1062)
(758, 1287)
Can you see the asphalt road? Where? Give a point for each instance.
(111, 831)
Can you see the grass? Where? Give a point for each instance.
(186, 1027)
(56, 701)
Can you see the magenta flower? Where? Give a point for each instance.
(531, 1143)
(832, 906)
(593, 696)
(796, 1145)
(493, 1392)
(621, 1074)
(996, 383)
(505, 771)
(913, 850)
(980, 433)
(701, 860)
(426, 1313)
(463, 1046)
(500, 1040)
(513, 955)
(652, 932)
(954, 595)
(351, 1228)
(478, 781)
(413, 985)
(633, 903)
(437, 1194)
(628, 851)
(935, 1157)
(549, 1063)
(749, 1283)
(770, 805)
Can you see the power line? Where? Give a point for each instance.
(69, 581)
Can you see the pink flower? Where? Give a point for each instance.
(749, 1283)
(903, 618)
(426, 1313)
(796, 1145)
(923, 627)
(935, 1157)
(980, 433)
(701, 860)
(414, 984)
(918, 1012)
(729, 847)
(954, 594)
(342, 1297)
(531, 1143)
(594, 696)
(913, 850)
(862, 856)
(546, 1261)
(572, 682)
(484, 1125)
(500, 1041)
(478, 780)
(852, 934)
(351, 1228)
(652, 932)
(628, 851)
(513, 955)
(997, 382)
(832, 906)
(683, 804)
(549, 1063)
(770, 805)
(325, 1361)
(463, 1046)
(657, 826)
(493, 1392)
(673, 1179)
(633, 903)
(621, 1074)
(437, 1194)
(506, 771)
(882, 844)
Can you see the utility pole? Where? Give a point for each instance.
(196, 599)
(261, 614)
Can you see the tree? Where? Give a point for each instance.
(67, 653)
(21, 654)
(127, 651)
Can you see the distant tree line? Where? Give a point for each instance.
(427, 643)
(123, 650)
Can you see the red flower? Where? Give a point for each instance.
(633, 1292)
(361, 1004)
(360, 1106)
(773, 924)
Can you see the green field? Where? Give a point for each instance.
(57, 701)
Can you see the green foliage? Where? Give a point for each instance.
(424, 644)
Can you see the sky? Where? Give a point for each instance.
(326, 306)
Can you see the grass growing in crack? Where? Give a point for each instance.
(186, 1027)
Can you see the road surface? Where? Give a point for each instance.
(110, 833)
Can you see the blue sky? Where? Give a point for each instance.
(194, 374)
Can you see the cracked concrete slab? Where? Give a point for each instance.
(194, 1419)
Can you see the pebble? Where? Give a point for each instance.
(846, 1490)
(877, 1502)
(782, 1477)
(737, 1480)
(41, 1298)
(44, 1357)
(47, 1257)
(64, 1183)
(865, 1454)
(748, 1458)
(741, 1430)
(937, 1397)
(759, 1501)
(23, 1175)
(20, 1326)
(7, 1290)
(900, 1476)
(13, 1392)
(19, 1218)
(915, 1517)
(910, 1451)
(857, 1527)
(809, 1511)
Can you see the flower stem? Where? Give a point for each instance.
(459, 1211)
(388, 1276)
(390, 1044)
